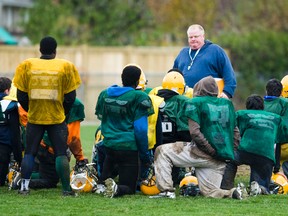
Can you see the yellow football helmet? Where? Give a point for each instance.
(84, 180)
(284, 82)
(148, 187)
(279, 184)
(175, 82)
(189, 186)
(142, 81)
(220, 84)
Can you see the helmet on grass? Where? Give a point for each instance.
(278, 184)
(84, 179)
(189, 186)
(148, 187)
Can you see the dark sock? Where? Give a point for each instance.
(27, 166)
(63, 171)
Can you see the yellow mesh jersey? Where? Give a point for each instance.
(46, 82)
(284, 153)
(152, 120)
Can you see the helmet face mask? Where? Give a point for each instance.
(142, 82)
(189, 190)
(84, 179)
(189, 186)
(81, 182)
(279, 184)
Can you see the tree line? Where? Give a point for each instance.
(254, 32)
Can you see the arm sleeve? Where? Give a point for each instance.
(141, 131)
(199, 138)
(228, 95)
(69, 99)
(228, 75)
(23, 99)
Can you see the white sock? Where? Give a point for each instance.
(25, 184)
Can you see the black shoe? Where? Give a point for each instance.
(69, 193)
(24, 192)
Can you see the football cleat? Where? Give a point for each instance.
(166, 194)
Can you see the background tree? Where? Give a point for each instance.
(42, 19)
(254, 32)
(101, 22)
(174, 16)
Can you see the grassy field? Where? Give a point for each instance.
(50, 202)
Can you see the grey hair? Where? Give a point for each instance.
(197, 27)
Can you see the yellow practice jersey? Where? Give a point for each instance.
(46, 82)
(152, 120)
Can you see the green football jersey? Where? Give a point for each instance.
(174, 107)
(76, 112)
(259, 131)
(216, 117)
(278, 106)
(118, 114)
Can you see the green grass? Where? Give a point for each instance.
(50, 202)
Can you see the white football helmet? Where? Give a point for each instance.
(84, 181)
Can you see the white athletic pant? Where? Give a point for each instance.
(208, 171)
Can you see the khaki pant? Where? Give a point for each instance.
(208, 171)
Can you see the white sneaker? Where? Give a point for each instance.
(237, 194)
(166, 194)
(254, 189)
(243, 189)
(100, 189)
(111, 188)
(240, 192)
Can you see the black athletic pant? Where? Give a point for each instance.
(128, 166)
(5, 152)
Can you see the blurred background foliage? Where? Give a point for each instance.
(253, 32)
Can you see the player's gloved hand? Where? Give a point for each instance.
(146, 169)
(80, 165)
